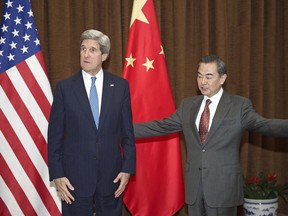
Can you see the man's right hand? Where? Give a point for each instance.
(63, 186)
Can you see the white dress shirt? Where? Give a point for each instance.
(212, 107)
(98, 84)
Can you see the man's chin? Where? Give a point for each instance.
(204, 92)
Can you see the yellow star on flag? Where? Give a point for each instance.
(162, 50)
(148, 64)
(130, 60)
(137, 12)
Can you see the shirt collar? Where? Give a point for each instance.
(87, 76)
(215, 98)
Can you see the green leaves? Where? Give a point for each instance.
(264, 187)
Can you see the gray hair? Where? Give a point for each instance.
(102, 39)
(214, 58)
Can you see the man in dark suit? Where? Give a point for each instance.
(91, 149)
(213, 179)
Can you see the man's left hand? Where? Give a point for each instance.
(124, 178)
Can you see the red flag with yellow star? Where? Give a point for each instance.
(157, 188)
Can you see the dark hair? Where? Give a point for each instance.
(214, 58)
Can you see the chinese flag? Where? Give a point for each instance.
(157, 189)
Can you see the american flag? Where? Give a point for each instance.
(25, 102)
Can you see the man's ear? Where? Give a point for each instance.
(104, 56)
(223, 78)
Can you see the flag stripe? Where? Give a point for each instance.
(32, 161)
(9, 199)
(28, 99)
(24, 170)
(22, 116)
(15, 189)
(13, 126)
(37, 67)
(34, 85)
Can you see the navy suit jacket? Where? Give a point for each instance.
(91, 159)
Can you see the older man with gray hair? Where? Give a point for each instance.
(91, 149)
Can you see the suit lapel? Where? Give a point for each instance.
(222, 109)
(107, 97)
(194, 112)
(81, 95)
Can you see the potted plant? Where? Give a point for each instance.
(261, 194)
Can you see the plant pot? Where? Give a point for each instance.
(255, 207)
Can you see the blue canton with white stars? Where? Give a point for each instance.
(18, 34)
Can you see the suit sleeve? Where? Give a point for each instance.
(128, 142)
(269, 127)
(168, 125)
(55, 136)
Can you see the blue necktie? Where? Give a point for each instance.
(94, 104)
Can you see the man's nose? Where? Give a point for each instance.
(86, 53)
(203, 80)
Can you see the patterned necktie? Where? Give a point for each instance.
(204, 122)
(93, 99)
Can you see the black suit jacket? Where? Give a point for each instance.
(90, 158)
